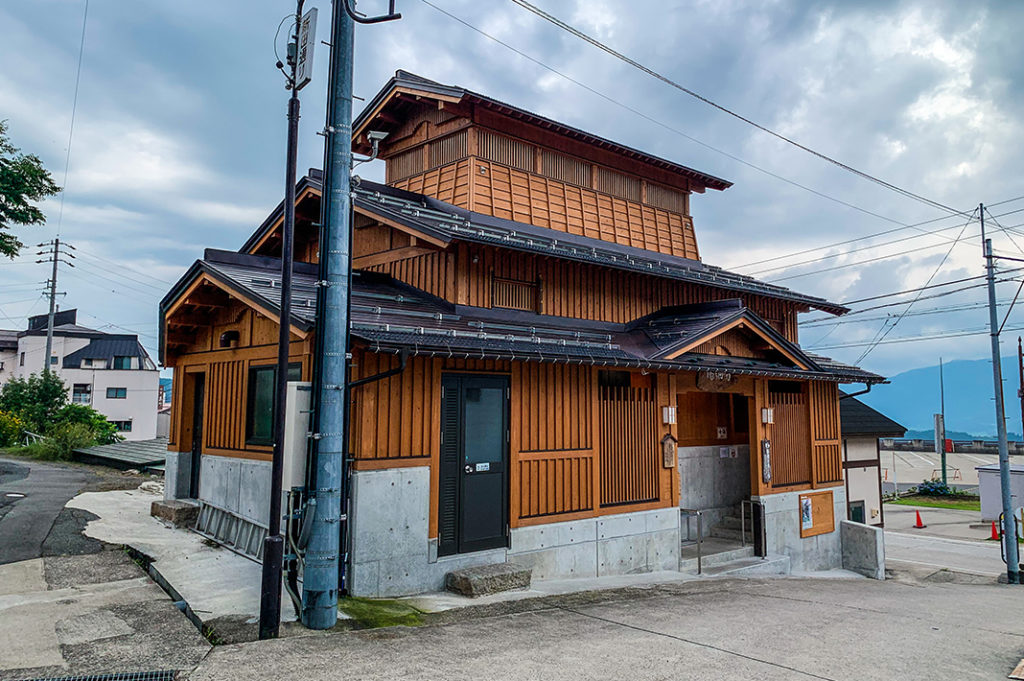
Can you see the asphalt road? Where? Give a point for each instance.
(32, 496)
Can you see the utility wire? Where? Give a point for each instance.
(886, 331)
(124, 266)
(657, 122)
(915, 339)
(665, 79)
(74, 110)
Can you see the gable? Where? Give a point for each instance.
(745, 336)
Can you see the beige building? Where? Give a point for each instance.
(862, 427)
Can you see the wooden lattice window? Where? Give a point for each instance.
(406, 164)
(449, 149)
(669, 199)
(505, 150)
(565, 168)
(617, 184)
(514, 295)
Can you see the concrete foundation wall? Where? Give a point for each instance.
(391, 552)
(239, 486)
(176, 474)
(782, 531)
(712, 483)
(863, 549)
(622, 544)
(392, 555)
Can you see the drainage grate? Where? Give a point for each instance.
(169, 675)
(240, 535)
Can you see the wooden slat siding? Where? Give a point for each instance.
(432, 272)
(552, 483)
(734, 342)
(448, 149)
(448, 183)
(587, 291)
(552, 401)
(391, 418)
(225, 381)
(629, 446)
(825, 433)
(790, 437)
(403, 165)
(520, 195)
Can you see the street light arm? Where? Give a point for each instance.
(390, 16)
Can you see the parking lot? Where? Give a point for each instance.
(910, 468)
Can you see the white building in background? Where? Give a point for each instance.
(8, 354)
(862, 428)
(112, 373)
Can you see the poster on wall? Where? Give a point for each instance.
(806, 514)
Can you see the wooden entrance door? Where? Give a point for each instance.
(473, 483)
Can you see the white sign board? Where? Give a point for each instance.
(307, 39)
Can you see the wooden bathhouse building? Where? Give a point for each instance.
(566, 382)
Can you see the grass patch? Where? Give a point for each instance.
(371, 613)
(958, 504)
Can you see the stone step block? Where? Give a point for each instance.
(488, 579)
(178, 512)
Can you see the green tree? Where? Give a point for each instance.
(105, 432)
(37, 399)
(23, 180)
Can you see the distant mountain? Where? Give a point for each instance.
(912, 397)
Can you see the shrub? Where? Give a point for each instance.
(934, 488)
(36, 400)
(62, 440)
(104, 432)
(11, 428)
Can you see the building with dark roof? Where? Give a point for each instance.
(111, 372)
(539, 355)
(863, 428)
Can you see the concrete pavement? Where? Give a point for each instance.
(737, 629)
(941, 522)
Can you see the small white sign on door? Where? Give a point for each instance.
(481, 467)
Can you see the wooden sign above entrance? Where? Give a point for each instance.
(714, 381)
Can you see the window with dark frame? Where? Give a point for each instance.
(259, 412)
(123, 426)
(121, 362)
(81, 393)
(117, 393)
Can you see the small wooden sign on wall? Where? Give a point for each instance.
(816, 513)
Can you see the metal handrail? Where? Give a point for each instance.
(744, 504)
(690, 513)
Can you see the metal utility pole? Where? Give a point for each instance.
(1020, 382)
(328, 477)
(1009, 522)
(273, 545)
(54, 254)
(940, 423)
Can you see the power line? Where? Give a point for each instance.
(886, 331)
(655, 121)
(913, 339)
(93, 268)
(74, 110)
(651, 72)
(124, 266)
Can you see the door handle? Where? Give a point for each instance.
(469, 468)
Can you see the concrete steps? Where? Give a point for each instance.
(482, 580)
(688, 562)
(750, 567)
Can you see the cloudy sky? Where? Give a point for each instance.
(179, 137)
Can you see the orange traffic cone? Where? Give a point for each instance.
(995, 532)
(917, 523)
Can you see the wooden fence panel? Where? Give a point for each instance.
(790, 438)
(555, 482)
(629, 445)
(825, 433)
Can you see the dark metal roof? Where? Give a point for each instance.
(127, 454)
(413, 81)
(106, 348)
(390, 317)
(857, 418)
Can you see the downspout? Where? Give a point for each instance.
(403, 357)
(865, 391)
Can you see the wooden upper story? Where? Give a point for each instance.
(489, 157)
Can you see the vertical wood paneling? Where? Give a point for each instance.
(790, 437)
(629, 446)
(225, 391)
(825, 432)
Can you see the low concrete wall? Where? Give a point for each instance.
(239, 486)
(621, 544)
(713, 483)
(863, 549)
(392, 555)
(391, 552)
(782, 531)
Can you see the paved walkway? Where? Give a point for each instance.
(941, 522)
(856, 630)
